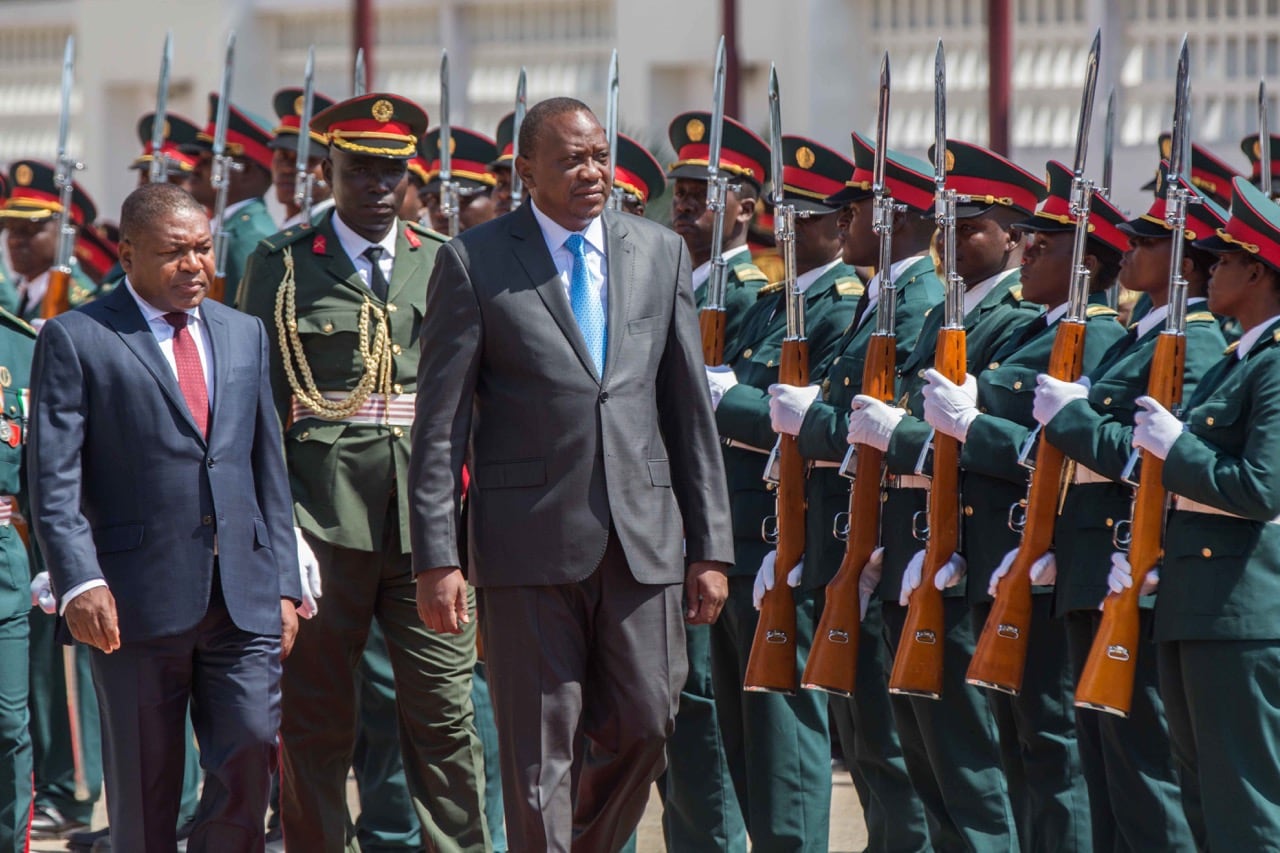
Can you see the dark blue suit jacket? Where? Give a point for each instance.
(125, 488)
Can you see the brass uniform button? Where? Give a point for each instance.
(769, 363)
(1110, 522)
(1106, 401)
(327, 328)
(395, 348)
(993, 365)
(1206, 552)
(305, 435)
(836, 360)
(1017, 386)
(391, 309)
(397, 388)
(397, 432)
(746, 353)
(1208, 421)
(846, 381)
(920, 374)
(968, 511)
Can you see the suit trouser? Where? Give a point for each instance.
(592, 668)
(1134, 798)
(778, 748)
(443, 760)
(892, 810)
(1038, 739)
(951, 745)
(15, 742)
(1222, 698)
(230, 680)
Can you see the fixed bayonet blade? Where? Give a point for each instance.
(224, 98)
(359, 84)
(446, 134)
(775, 136)
(303, 180)
(717, 113)
(940, 118)
(517, 186)
(68, 80)
(1180, 144)
(882, 127)
(1108, 144)
(717, 187)
(1264, 140)
(1086, 105)
(159, 167)
(611, 127)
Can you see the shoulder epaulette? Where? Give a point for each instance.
(850, 285)
(1016, 292)
(427, 232)
(1202, 317)
(775, 287)
(749, 272)
(21, 325)
(287, 237)
(1100, 311)
(1231, 347)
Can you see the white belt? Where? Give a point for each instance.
(731, 442)
(909, 481)
(396, 410)
(1188, 505)
(1085, 475)
(825, 463)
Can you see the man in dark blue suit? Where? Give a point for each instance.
(162, 507)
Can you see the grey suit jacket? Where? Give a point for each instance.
(558, 453)
(124, 486)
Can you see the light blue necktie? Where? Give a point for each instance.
(587, 309)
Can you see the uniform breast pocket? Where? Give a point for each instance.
(331, 339)
(647, 325)
(1219, 412)
(1008, 393)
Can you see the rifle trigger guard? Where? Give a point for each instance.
(769, 529)
(1018, 516)
(840, 527)
(1122, 534)
(920, 525)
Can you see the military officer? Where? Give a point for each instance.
(500, 167)
(894, 813)
(637, 175)
(471, 154)
(1215, 630)
(245, 220)
(777, 746)
(288, 104)
(950, 744)
(1134, 799)
(1037, 728)
(180, 135)
(343, 301)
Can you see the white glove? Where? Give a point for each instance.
(1155, 429)
(1053, 395)
(788, 404)
(948, 576)
(42, 594)
(869, 580)
(873, 421)
(765, 581)
(309, 572)
(1044, 571)
(950, 408)
(720, 379)
(1120, 577)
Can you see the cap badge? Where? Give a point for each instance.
(23, 175)
(805, 157)
(297, 105)
(1257, 149)
(950, 161)
(695, 130)
(1166, 147)
(383, 110)
(165, 132)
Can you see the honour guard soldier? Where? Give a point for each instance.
(472, 152)
(950, 743)
(500, 167)
(288, 103)
(1215, 627)
(8, 296)
(1134, 799)
(1037, 727)
(1209, 173)
(638, 175)
(1251, 148)
(181, 135)
(417, 177)
(777, 746)
(97, 256)
(343, 301)
(246, 219)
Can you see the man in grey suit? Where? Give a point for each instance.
(162, 507)
(561, 362)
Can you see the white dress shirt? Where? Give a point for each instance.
(354, 245)
(973, 296)
(702, 274)
(32, 291)
(873, 287)
(1154, 317)
(1053, 315)
(1249, 338)
(554, 234)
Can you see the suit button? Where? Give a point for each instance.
(207, 520)
(1206, 552)
(395, 348)
(391, 309)
(209, 462)
(397, 388)
(604, 396)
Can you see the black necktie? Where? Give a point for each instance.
(377, 281)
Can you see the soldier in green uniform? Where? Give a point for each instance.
(894, 812)
(180, 136)
(17, 343)
(1209, 173)
(950, 744)
(1037, 728)
(245, 220)
(1134, 800)
(288, 103)
(637, 175)
(500, 167)
(1253, 150)
(471, 154)
(777, 746)
(1215, 628)
(343, 302)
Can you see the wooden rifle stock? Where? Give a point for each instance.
(833, 659)
(218, 289)
(19, 522)
(712, 323)
(57, 299)
(772, 665)
(1001, 655)
(1107, 681)
(917, 667)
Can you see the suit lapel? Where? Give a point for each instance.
(409, 259)
(219, 342)
(128, 323)
(619, 260)
(327, 245)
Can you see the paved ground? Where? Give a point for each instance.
(848, 835)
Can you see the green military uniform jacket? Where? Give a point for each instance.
(81, 289)
(824, 435)
(991, 479)
(999, 315)
(1097, 433)
(344, 476)
(244, 228)
(1220, 579)
(743, 281)
(17, 346)
(8, 292)
(743, 413)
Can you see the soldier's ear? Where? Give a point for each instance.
(746, 210)
(326, 169)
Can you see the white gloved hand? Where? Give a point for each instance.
(1155, 429)
(788, 404)
(42, 594)
(950, 408)
(1120, 577)
(873, 421)
(309, 574)
(951, 573)
(765, 579)
(1053, 395)
(720, 379)
(1044, 570)
(869, 580)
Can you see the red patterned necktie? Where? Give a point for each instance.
(190, 374)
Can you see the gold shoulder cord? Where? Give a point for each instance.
(377, 360)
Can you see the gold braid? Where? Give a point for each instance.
(377, 359)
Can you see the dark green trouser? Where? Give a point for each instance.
(1038, 739)
(951, 746)
(1222, 698)
(52, 749)
(15, 742)
(487, 728)
(1134, 797)
(777, 746)
(894, 815)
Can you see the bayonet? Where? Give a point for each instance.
(448, 188)
(360, 84)
(1264, 140)
(885, 209)
(945, 200)
(57, 299)
(222, 162)
(517, 185)
(1177, 196)
(611, 130)
(305, 181)
(713, 313)
(158, 169)
(1108, 154)
(1082, 189)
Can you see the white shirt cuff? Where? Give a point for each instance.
(77, 590)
